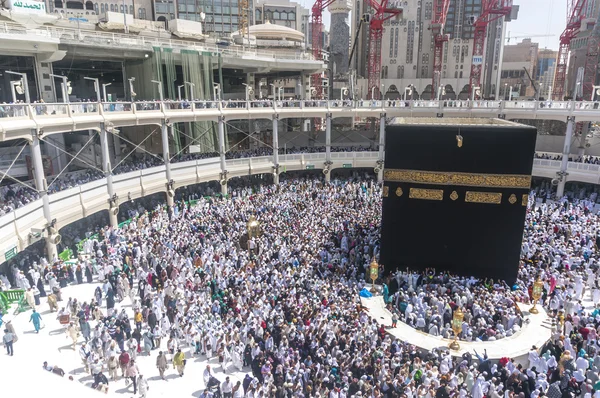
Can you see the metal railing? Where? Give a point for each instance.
(39, 111)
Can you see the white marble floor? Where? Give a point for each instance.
(535, 332)
(21, 372)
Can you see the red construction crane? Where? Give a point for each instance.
(316, 80)
(440, 9)
(491, 10)
(381, 14)
(575, 14)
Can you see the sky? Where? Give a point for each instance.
(540, 17)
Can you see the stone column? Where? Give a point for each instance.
(328, 146)
(560, 189)
(42, 187)
(250, 81)
(166, 159)
(221, 130)
(381, 154)
(276, 149)
(107, 168)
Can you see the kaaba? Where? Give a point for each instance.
(455, 195)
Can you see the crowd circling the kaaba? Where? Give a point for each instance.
(288, 313)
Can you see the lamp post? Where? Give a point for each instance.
(561, 321)
(104, 85)
(374, 274)
(343, 91)
(576, 91)
(549, 92)
(382, 91)
(253, 228)
(407, 91)
(510, 93)
(25, 83)
(179, 91)
(273, 90)
(96, 86)
(457, 319)
(132, 93)
(536, 293)
(260, 84)
(64, 86)
(505, 88)
(13, 86)
(595, 91)
(475, 93)
(373, 93)
(216, 90)
(160, 89)
(246, 89)
(192, 85)
(279, 90)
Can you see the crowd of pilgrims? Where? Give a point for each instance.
(288, 313)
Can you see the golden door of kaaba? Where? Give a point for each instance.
(455, 195)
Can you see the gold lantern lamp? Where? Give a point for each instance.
(457, 320)
(253, 227)
(536, 293)
(374, 274)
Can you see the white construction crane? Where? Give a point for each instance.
(508, 37)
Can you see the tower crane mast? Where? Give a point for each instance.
(491, 10)
(316, 79)
(382, 13)
(575, 15)
(440, 9)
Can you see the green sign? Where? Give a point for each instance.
(65, 255)
(347, 165)
(10, 253)
(310, 166)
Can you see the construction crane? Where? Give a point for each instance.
(440, 9)
(381, 14)
(575, 14)
(508, 37)
(591, 62)
(491, 10)
(316, 19)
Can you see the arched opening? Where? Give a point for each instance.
(75, 5)
(58, 4)
(89, 5)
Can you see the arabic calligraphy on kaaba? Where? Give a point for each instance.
(458, 179)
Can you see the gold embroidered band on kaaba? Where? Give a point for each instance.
(460, 179)
(427, 194)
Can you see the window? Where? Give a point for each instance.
(276, 15)
(96, 8)
(89, 5)
(102, 8)
(292, 16)
(258, 15)
(131, 10)
(112, 8)
(400, 72)
(142, 13)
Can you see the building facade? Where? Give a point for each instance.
(408, 48)
(519, 67)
